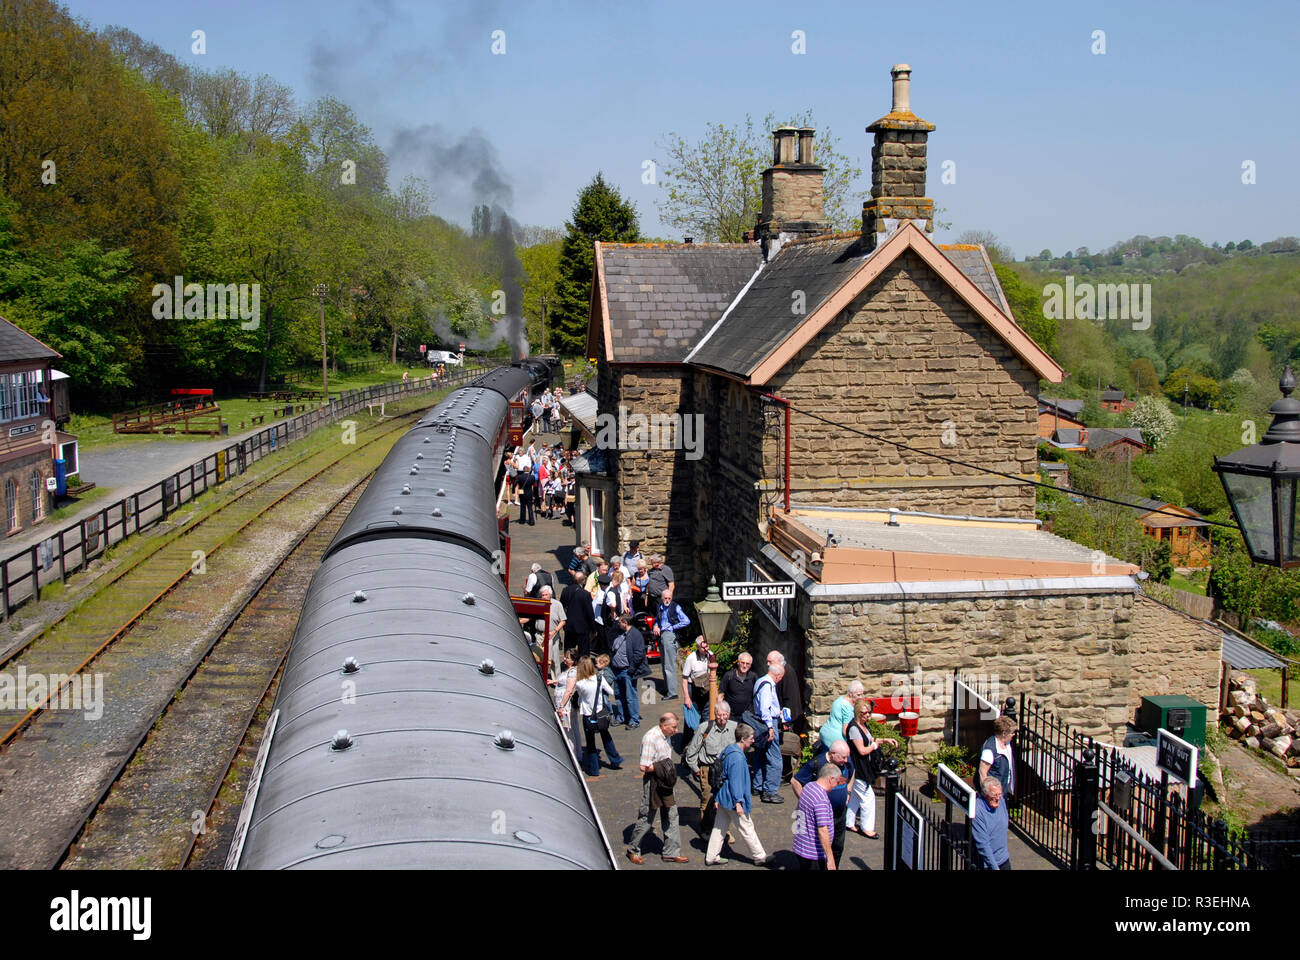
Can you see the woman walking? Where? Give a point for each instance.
(594, 693)
(566, 705)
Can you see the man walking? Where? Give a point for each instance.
(767, 750)
(656, 793)
(989, 828)
(812, 830)
(710, 740)
(734, 804)
(670, 619)
(840, 756)
(580, 618)
(527, 481)
(627, 660)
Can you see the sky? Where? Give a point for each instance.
(1053, 145)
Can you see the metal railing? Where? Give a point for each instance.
(1085, 804)
(932, 841)
(23, 574)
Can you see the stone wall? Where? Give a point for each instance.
(909, 360)
(1068, 652)
(656, 488)
(792, 194)
(1173, 653)
(19, 471)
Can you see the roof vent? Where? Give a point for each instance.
(441, 492)
(468, 600)
(359, 597)
(396, 510)
(350, 665)
(437, 511)
(341, 741)
(487, 668)
(428, 440)
(505, 740)
(414, 470)
(406, 489)
(419, 456)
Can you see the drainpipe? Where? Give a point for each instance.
(785, 403)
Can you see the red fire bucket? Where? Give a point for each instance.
(907, 722)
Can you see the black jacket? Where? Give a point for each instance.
(738, 691)
(635, 651)
(578, 614)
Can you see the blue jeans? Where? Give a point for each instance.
(628, 707)
(768, 756)
(668, 647)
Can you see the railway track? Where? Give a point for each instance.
(54, 775)
(152, 813)
(72, 642)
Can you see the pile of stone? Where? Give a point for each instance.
(1251, 720)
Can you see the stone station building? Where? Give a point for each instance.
(866, 415)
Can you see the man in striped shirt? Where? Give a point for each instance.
(814, 821)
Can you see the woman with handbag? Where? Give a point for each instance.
(868, 763)
(593, 692)
(564, 685)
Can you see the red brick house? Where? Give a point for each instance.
(28, 437)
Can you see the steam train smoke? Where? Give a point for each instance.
(470, 165)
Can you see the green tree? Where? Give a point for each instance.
(1200, 391)
(1151, 415)
(713, 188)
(601, 213)
(541, 264)
(1027, 307)
(998, 251)
(1144, 376)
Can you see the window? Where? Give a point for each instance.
(22, 395)
(597, 504)
(38, 495)
(11, 504)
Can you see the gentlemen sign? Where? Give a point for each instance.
(757, 590)
(1176, 757)
(956, 789)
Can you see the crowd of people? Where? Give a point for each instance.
(603, 631)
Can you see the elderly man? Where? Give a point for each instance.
(538, 578)
(655, 754)
(670, 619)
(737, 685)
(812, 834)
(790, 690)
(989, 828)
(556, 624)
(841, 716)
(734, 805)
(767, 711)
(840, 756)
(711, 738)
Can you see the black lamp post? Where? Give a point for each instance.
(1260, 482)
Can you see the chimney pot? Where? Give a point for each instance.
(806, 144)
(784, 145)
(902, 74)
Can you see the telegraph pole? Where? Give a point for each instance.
(321, 290)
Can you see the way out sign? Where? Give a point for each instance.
(956, 789)
(908, 849)
(1176, 757)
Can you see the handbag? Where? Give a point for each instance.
(600, 716)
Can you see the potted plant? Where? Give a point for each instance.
(956, 759)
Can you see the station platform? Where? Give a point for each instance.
(617, 793)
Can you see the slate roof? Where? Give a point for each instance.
(971, 260)
(1068, 436)
(1112, 395)
(1070, 407)
(1246, 656)
(763, 317)
(663, 297)
(1101, 437)
(17, 345)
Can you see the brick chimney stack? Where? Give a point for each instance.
(897, 166)
(793, 202)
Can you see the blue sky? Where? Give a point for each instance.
(1054, 145)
